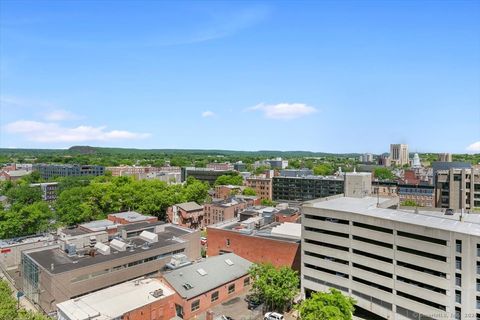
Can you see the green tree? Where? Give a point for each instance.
(229, 179)
(275, 286)
(383, 174)
(8, 306)
(331, 305)
(22, 195)
(249, 192)
(267, 202)
(409, 203)
(323, 169)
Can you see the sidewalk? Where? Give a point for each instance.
(24, 302)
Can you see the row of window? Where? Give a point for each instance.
(123, 266)
(215, 294)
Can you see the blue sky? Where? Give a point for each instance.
(332, 76)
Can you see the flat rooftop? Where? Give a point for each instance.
(432, 219)
(64, 263)
(290, 232)
(113, 302)
(131, 216)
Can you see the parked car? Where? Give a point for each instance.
(226, 318)
(253, 301)
(273, 316)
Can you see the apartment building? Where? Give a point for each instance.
(49, 190)
(188, 214)
(208, 283)
(223, 210)
(263, 186)
(457, 188)
(397, 264)
(306, 188)
(422, 194)
(399, 154)
(48, 171)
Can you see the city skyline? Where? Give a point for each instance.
(337, 77)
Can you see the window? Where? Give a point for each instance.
(458, 296)
(458, 313)
(458, 246)
(195, 305)
(458, 279)
(231, 288)
(214, 296)
(246, 281)
(228, 242)
(458, 263)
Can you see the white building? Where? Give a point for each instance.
(396, 264)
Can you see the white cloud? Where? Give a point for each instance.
(285, 111)
(52, 132)
(474, 147)
(60, 115)
(208, 114)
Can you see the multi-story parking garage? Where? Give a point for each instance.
(396, 264)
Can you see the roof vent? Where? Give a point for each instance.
(157, 293)
(202, 272)
(229, 262)
(187, 286)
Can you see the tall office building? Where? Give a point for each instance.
(397, 264)
(399, 154)
(457, 188)
(445, 157)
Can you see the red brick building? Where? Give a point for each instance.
(187, 214)
(142, 299)
(263, 245)
(208, 283)
(226, 191)
(263, 186)
(223, 210)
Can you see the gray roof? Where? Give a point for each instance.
(218, 272)
(368, 207)
(131, 216)
(190, 206)
(63, 263)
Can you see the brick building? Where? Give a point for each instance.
(187, 214)
(224, 166)
(276, 243)
(223, 210)
(226, 191)
(422, 194)
(262, 186)
(205, 284)
(133, 300)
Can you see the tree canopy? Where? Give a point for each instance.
(383, 174)
(229, 179)
(249, 192)
(275, 286)
(331, 305)
(82, 199)
(324, 169)
(8, 306)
